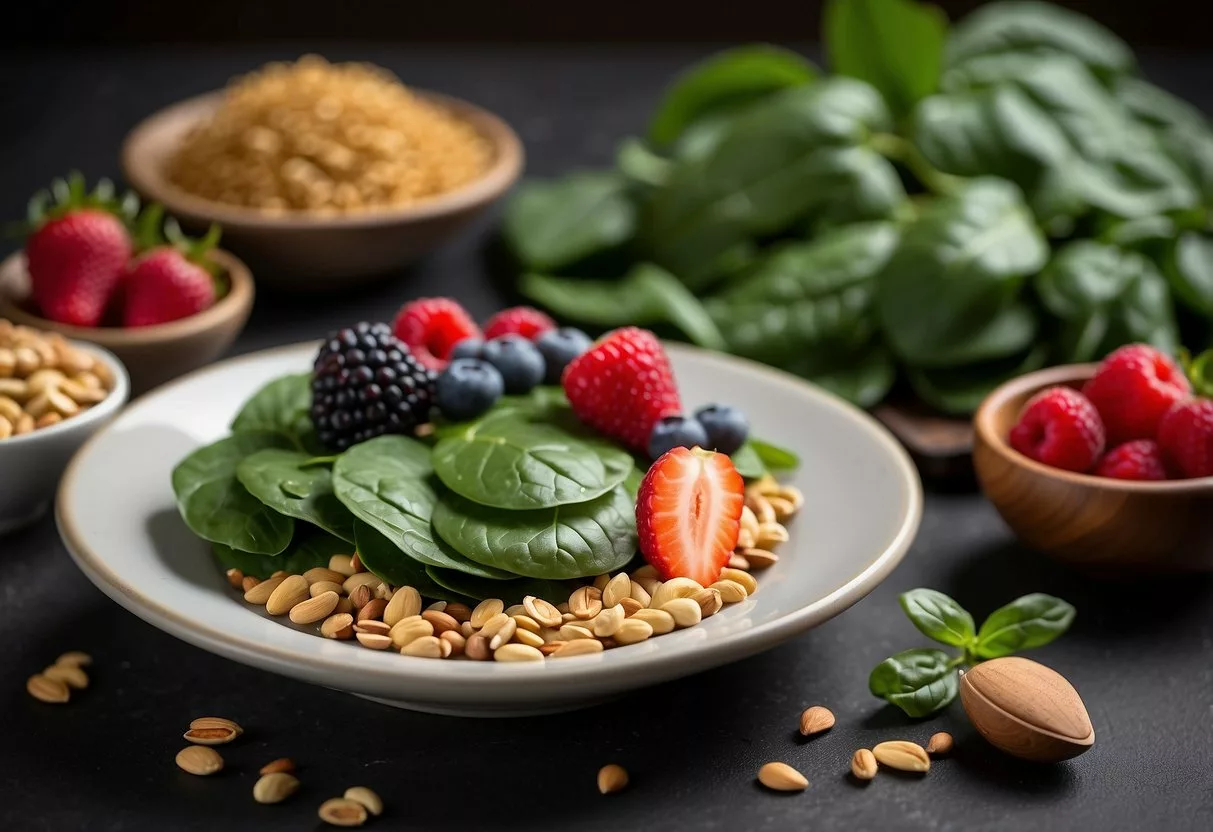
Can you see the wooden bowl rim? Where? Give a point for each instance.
(1031, 383)
(237, 301)
(145, 175)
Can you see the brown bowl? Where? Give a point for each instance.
(152, 354)
(1100, 524)
(305, 252)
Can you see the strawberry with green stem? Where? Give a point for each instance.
(77, 248)
(173, 277)
(1185, 434)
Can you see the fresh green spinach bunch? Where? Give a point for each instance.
(514, 503)
(924, 680)
(951, 208)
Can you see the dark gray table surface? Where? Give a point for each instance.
(1139, 653)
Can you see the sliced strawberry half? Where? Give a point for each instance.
(688, 514)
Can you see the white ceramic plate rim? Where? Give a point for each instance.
(512, 678)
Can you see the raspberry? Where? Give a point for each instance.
(1061, 428)
(1186, 438)
(1140, 459)
(1133, 389)
(431, 327)
(623, 385)
(519, 320)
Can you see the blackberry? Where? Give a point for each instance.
(366, 383)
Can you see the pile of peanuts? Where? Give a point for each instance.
(44, 379)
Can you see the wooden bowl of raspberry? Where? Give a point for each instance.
(1109, 466)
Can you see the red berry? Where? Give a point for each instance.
(622, 385)
(432, 327)
(162, 285)
(519, 320)
(688, 514)
(1059, 427)
(1186, 438)
(75, 264)
(1140, 459)
(1132, 390)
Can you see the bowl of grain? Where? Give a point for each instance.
(324, 175)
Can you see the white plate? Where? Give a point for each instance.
(117, 516)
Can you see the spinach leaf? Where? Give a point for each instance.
(747, 462)
(552, 224)
(807, 296)
(920, 682)
(759, 177)
(385, 560)
(1137, 233)
(573, 541)
(957, 271)
(640, 164)
(1189, 268)
(854, 184)
(290, 483)
(863, 378)
(960, 390)
(513, 460)
(722, 82)
(646, 295)
(385, 482)
(218, 508)
(307, 550)
(283, 406)
(774, 457)
(895, 45)
(939, 617)
(511, 592)
(1031, 621)
(1036, 29)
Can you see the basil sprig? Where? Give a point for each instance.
(924, 680)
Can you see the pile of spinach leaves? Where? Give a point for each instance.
(949, 209)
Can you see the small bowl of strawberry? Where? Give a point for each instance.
(96, 269)
(1106, 466)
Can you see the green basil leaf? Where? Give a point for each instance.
(774, 457)
(1037, 29)
(939, 617)
(385, 482)
(1189, 268)
(961, 390)
(218, 508)
(863, 378)
(283, 406)
(724, 81)
(511, 592)
(896, 46)
(957, 270)
(640, 164)
(387, 562)
(308, 550)
(645, 296)
(759, 177)
(747, 462)
(290, 484)
(920, 682)
(516, 461)
(573, 541)
(807, 297)
(553, 224)
(1031, 621)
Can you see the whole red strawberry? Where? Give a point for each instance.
(526, 321)
(1140, 459)
(688, 514)
(1186, 438)
(1059, 427)
(622, 385)
(77, 250)
(1132, 390)
(169, 280)
(432, 327)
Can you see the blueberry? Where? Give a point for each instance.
(726, 427)
(467, 388)
(559, 347)
(676, 432)
(468, 348)
(521, 365)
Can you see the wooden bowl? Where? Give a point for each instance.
(152, 354)
(1102, 525)
(304, 252)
